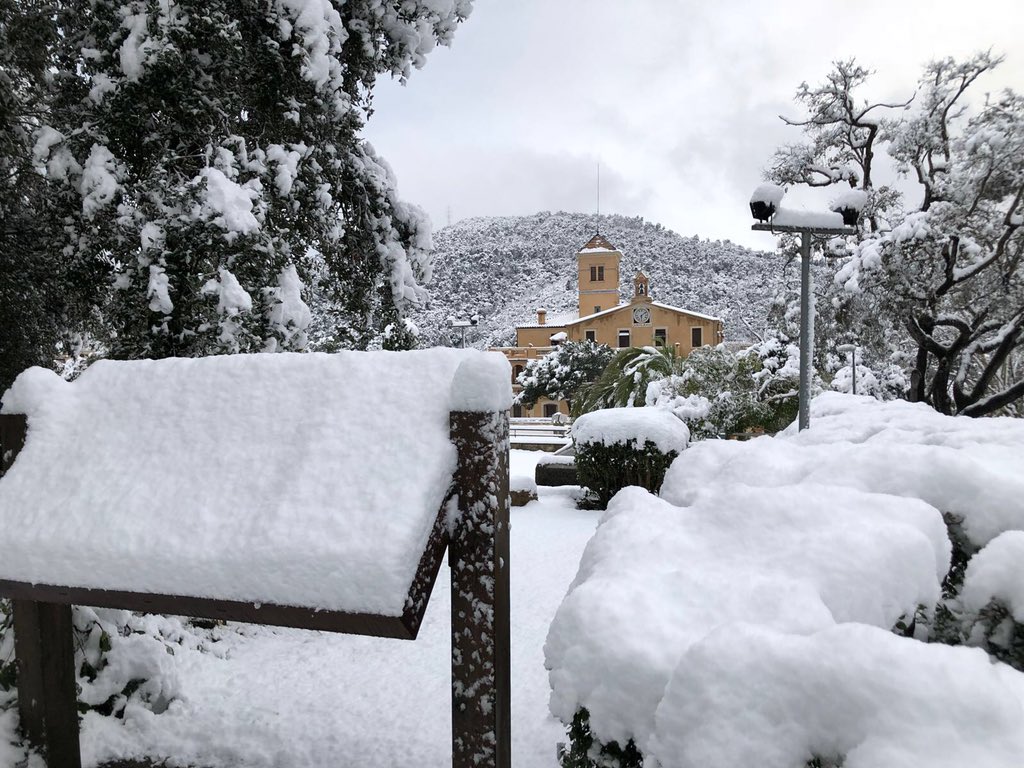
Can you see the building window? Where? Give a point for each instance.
(597, 274)
(696, 337)
(550, 409)
(623, 339)
(591, 336)
(517, 411)
(660, 337)
(516, 370)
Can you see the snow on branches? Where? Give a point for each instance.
(945, 274)
(234, 134)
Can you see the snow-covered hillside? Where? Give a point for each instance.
(504, 268)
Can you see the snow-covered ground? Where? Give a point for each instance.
(280, 698)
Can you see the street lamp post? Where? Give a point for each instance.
(852, 349)
(464, 324)
(805, 301)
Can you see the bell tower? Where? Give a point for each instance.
(597, 265)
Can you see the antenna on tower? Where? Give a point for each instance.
(599, 196)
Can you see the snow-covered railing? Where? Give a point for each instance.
(310, 491)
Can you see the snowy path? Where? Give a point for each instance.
(292, 699)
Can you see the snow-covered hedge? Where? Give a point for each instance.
(619, 447)
(747, 615)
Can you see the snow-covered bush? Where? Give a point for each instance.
(718, 392)
(793, 580)
(991, 601)
(122, 659)
(619, 447)
(584, 751)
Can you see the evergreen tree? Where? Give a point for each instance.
(45, 296)
(204, 157)
(562, 373)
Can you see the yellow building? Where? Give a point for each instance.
(601, 318)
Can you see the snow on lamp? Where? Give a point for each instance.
(765, 201)
(850, 205)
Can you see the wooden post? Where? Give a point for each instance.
(12, 438)
(44, 651)
(27, 654)
(478, 555)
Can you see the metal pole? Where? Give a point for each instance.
(854, 353)
(805, 330)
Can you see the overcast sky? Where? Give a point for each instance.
(678, 99)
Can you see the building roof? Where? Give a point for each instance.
(598, 244)
(564, 322)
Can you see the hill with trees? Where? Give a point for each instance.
(503, 269)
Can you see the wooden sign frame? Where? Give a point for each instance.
(476, 538)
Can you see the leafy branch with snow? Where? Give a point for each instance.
(939, 278)
(198, 166)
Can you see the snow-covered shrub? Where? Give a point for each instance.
(121, 658)
(992, 599)
(661, 575)
(584, 751)
(619, 447)
(718, 392)
(792, 580)
(887, 382)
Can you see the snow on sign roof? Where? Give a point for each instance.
(294, 479)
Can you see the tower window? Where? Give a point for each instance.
(624, 338)
(696, 337)
(597, 274)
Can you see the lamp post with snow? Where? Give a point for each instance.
(765, 206)
(852, 349)
(464, 324)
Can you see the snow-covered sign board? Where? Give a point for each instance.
(306, 480)
(308, 490)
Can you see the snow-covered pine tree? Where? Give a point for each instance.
(44, 301)
(218, 174)
(941, 280)
(563, 372)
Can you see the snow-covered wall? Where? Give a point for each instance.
(296, 479)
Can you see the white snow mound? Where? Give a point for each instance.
(632, 426)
